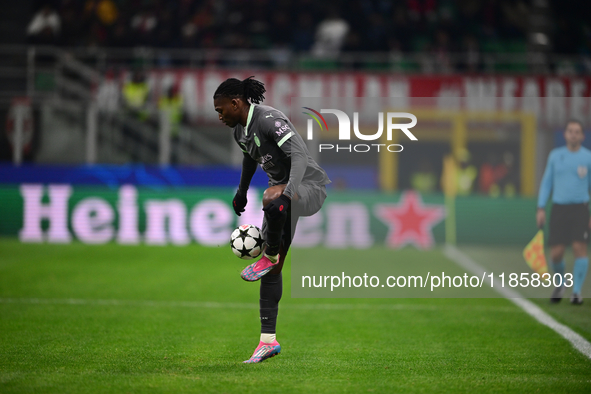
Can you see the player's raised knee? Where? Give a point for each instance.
(272, 193)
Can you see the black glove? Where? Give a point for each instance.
(239, 202)
(278, 207)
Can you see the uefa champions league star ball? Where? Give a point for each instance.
(247, 241)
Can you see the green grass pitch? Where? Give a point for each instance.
(140, 319)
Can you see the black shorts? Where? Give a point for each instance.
(569, 223)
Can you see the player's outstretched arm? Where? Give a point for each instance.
(249, 167)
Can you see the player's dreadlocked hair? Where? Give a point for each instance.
(250, 90)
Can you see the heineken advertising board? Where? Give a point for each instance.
(63, 213)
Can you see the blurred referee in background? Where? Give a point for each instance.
(568, 178)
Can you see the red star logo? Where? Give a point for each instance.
(410, 221)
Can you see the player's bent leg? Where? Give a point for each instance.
(557, 257)
(275, 221)
(270, 259)
(579, 271)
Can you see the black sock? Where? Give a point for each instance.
(271, 291)
(274, 232)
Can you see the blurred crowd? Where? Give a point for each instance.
(494, 175)
(321, 28)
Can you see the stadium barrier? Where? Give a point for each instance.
(551, 99)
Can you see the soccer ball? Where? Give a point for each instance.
(247, 241)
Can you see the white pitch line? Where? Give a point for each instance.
(578, 342)
(219, 305)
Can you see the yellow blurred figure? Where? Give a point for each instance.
(135, 95)
(458, 174)
(465, 173)
(105, 10)
(424, 180)
(172, 103)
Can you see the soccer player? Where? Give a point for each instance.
(296, 188)
(568, 177)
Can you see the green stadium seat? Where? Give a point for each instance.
(317, 64)
(44, 81)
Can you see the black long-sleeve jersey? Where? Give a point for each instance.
(272, 141)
